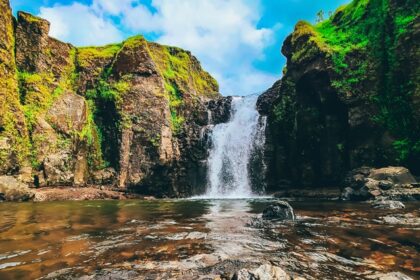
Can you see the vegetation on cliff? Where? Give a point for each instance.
(349, 95)
(14, 141)
(367, 43)
(378, 28)
(72, 111)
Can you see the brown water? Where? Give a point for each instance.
(155, 239)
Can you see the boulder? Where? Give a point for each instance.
(389, 183)
(58, 169)
(281, 210)
(13, 190)
(393, 174)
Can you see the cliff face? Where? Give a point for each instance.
(13, 133)
(128, 114)
(349, 95)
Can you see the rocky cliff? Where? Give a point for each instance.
(349, 95)
(127, 114)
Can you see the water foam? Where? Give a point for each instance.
(232, 146)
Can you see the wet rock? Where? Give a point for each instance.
(268, 98)
(264, 272)
(388, 204)
(219, 109)
(401, 219)
(280, 210)
(13, 190)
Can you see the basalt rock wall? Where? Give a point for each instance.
(349, 96)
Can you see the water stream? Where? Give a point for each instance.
(182, 239)
(232, 147)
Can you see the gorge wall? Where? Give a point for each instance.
(127, 114)
(349, 96)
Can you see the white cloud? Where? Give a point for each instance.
(80, 25)
(223, 34)
(112, 7)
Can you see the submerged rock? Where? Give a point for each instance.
(264, 272)
(281, 210)
(388, 204)
(391, 276)
(401, 219)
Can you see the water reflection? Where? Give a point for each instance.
(72, 239)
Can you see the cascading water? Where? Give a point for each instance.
(232, 147)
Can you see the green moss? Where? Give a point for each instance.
(134, 41)
(155, 141)
(182, 73)
(92, 134)
(36, 95)
(313, 45)
(87, 55)
(31, 18)
(12, 122)
(106, 91)
(362, 39)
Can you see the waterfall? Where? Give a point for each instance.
(232, 147)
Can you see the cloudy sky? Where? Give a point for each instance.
(237, 41)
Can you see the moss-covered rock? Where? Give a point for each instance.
(14, 152)
(349, 95)
(135, 107)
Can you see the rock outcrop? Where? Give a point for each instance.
(380, 184)
(349, 96)
(128, 114)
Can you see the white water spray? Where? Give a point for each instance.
(232, 146)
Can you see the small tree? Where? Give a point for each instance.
(320, 16)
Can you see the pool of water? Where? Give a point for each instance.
(156, 239)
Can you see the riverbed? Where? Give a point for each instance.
(184, 239)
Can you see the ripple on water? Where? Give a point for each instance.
(10, 264)
(327, 241)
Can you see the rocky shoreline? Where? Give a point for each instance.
(379, 186)
(13, 190)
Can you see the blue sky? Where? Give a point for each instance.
(237, 41)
